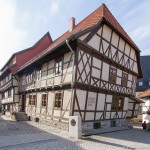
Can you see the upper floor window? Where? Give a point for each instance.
(44, 99)
(112, 75)
(33, 99)
(38, 75)
(58, 67)
(124, 79)
(9, 93)
(140, 83)
(117, 103)
(58, 97)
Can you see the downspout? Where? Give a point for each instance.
(72, 81)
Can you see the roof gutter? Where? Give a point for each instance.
(73, 73)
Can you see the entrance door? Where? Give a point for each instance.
(23, 103)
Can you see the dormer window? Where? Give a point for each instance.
(14, 60)
(140, 83)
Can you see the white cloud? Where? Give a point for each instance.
(141, 32)
(54, 6)
(11, 37)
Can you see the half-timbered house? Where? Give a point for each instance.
(9, 81)
(90, 71)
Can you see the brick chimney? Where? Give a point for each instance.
(71, 24)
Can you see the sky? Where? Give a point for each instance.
(23, 23)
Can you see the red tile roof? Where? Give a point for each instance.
(89, 21)
(145, 93)
(27, 54)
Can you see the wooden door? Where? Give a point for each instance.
(23, 103)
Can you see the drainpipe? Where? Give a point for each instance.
(72, 81)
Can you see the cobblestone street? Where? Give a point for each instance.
(30, 135)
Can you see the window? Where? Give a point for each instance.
(38, 75)
(44, 99)
(58, 97)
(32, 99)
(9, 93)
(113, 123)
(14, 60)
(97, 125)
(117, 103)
(112, 75)
(58, 67)
(140, 83)
(124, 79)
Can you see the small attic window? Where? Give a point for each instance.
(140, 83)
(14, 60)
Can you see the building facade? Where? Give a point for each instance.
(144, 83)
(90, 71)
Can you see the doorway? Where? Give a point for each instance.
(23, 103)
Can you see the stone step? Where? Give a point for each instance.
(21, 116)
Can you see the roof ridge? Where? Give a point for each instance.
(106, 9)
(100, 7)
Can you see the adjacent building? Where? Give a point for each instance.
(144, 83)
(145, 96)
(9, 97)
(90, 71)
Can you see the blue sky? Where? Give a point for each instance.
(23, 23)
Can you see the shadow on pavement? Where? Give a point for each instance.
(137, 134)
(23, 135)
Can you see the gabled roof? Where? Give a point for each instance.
(100, 14)
(145, 93)
(25, 50)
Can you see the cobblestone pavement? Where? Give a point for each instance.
(34, 136)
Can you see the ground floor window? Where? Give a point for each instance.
(58, 98)
(113, 123)
(32, 99)
(44, 99)
(97, 125)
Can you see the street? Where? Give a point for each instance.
(27, 135)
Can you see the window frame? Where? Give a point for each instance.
(112, 75)
(140, 83)
(58, 67)
(32, 100)
(44, 98)
(58, 101)
(117, 103)
(124, 81)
